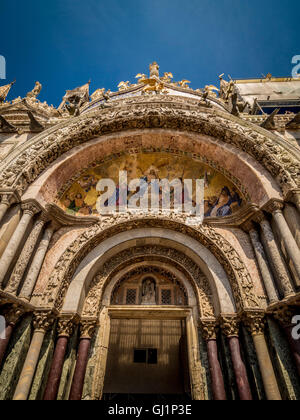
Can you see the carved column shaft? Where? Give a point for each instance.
(263, 265)
(41, 323)
(65, 330)
(255, 325)
(21, 265)
(87, 330)
(36, 264)
(230, 327)
(281, 270)
(289, 241)
(16, 239)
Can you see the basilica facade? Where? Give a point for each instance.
(131, 305)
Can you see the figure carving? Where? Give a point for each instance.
(149, 292)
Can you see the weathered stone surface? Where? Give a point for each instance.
(13, 365)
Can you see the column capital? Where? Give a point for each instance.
(43, 320)
(87, 328)
(254, 321)
(248, 226)
(209, 329)
(14, 313)
(9, 197)
(284, 314)
(274, 206)
(66, 325)
(294, 197)
(31, 208)
(259, 217)
(230, 325)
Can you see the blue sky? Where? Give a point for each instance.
(64, 43)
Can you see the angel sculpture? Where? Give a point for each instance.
(123, 85)
(167, 77)
(184, 83)
(141, 77)
(211, 90)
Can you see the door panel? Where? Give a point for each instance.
(123, 376)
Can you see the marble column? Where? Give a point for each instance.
(36, 264)
(26, 253)
(208, 328)
(254, 321)
(5, 204)
(280, 268)
(41, 323)
(262, 262)
(11, 319)
(285, 316)
(65, 330)
(29, 210)
(289, 241)
(87, 329)
(230, 328)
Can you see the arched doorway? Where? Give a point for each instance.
(148, 354)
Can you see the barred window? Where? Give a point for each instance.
(166, 297)
(131, 296)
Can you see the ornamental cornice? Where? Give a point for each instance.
(28, 160)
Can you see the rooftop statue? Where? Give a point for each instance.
(154, 70)
(75, 99)
(35, 91)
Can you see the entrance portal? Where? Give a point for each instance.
(147, 357)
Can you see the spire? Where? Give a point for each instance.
(4, 91)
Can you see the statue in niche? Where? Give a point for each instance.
(149, 292)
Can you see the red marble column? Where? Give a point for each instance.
(56, 369)
(230, 327)
(65, 330)
(11, 318)
(87, 329)
(239, 369)
(218, 387)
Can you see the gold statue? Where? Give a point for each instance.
(123, 85)
(154, 70)
(209, 89)
(184, 84)
(167, 78)
(141, 77)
